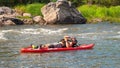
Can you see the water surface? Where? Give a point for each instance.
(104, 55)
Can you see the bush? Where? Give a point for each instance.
(34, 9)
(20, 8)
(104, 13)
(114, 11)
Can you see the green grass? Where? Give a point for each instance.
(20, 8)
(114, 11)
(111, 14)
(34, 9)
(23, 17)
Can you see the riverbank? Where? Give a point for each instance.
(60, 12)
(93, 13)
(31, 14)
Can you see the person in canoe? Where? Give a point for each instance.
(70, 41)
(64, 43)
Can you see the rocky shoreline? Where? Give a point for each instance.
(60, 12)
(9, 16)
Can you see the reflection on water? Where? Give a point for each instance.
(104, 55)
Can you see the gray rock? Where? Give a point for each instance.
(27, 14)
(62, 12)
(28, 21)
(1, 22)
(11, 17)
(39, 19)
(16, 21)
(1, 11)
(9, 22)
(6, 10)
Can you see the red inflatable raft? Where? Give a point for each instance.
(38, 50)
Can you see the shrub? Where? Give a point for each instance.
(104, 13)
(34, 9)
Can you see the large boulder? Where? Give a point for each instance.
(62, 12)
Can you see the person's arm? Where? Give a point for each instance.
(67, 44)
(66, 41)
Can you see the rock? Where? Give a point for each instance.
(27, 14)
(96, 20)
(11, 17)
(62, 12)
(28, 21)
(5, 10)
(16, 21)
(9, 22)
(39, 19)
(1, 22)
(1, 11)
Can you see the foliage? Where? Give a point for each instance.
(20, 8)
(19, 2)
(34, 9)
(93, 11)
(114, 11)
(98, 2)
(53, 0)
(75, 2)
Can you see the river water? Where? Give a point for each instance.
(106, 53)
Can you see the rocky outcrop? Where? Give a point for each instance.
(62, 12)
(9, 16)
(10, 21)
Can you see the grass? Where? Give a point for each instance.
(20, 8)
(23, 17)
(34, 9)
(111, 14)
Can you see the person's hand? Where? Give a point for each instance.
(66, 38)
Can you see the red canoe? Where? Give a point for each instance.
(81, 47)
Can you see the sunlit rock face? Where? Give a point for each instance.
(62, 12)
